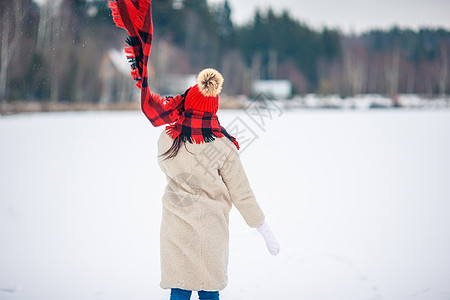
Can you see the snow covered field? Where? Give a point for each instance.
(359, 200)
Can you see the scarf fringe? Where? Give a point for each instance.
(116, 14)
(235, 142)
(231, 138)
(173, 134)
(135, 58)
(137, 11)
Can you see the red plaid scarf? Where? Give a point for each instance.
(135, 16)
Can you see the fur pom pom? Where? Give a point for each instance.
(210, 82)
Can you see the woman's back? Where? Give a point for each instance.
(203, 180)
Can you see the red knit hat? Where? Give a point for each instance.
(204, 96)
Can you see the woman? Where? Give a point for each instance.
(203, 170)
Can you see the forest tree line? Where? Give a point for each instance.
(55, 51)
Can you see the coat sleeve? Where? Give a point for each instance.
(242, 196)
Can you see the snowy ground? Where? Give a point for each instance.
(360, 201)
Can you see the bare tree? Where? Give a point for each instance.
(411, 80)
(54, 55)
(12, 17)
(43, 28)
(392, 73)
(443, 78)
(374, 71)
(355, 67)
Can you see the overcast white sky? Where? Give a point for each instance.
(351, 15)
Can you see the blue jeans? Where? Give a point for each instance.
(179, 294)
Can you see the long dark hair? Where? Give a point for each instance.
(173, 150)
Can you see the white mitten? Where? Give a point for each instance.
(271, 241)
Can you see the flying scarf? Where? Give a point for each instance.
(135, 16)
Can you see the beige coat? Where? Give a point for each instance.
(203, 181)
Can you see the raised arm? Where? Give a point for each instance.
(161, 110)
